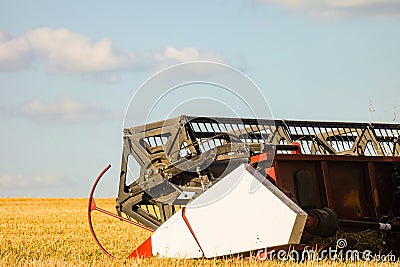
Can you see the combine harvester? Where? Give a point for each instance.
(211, 187)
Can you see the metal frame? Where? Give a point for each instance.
(188, 154)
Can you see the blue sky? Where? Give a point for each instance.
(68, 70)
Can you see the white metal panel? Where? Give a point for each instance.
(243, 212)
(173, 239)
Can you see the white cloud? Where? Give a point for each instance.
(67, 52)
(34, 181)
(15, 53)
(183, 55)
(171, 56)
(342, 8)
(67, 110)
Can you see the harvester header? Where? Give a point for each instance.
(217, 186)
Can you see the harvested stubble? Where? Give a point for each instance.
(54, 232)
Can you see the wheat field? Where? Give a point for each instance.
(55, 232)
